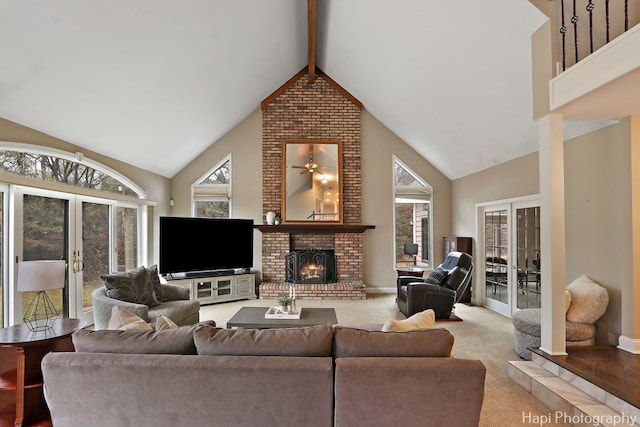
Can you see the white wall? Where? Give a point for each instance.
(597, 208)
(598, 215)
(379, 145)
(244, 143)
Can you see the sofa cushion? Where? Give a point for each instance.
(167, 341)
(311, 341)
(351, 342)
(421, 320)
(124, 320)
(131, 286)
(589, 300)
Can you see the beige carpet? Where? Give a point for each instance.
(483, 334)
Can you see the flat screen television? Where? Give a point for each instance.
(201, 246)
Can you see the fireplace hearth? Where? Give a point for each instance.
(311, 266)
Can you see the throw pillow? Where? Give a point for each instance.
(422, 320)
(163, 322)
(437, 276)
(589, 300)
(154, 278)
(351, 342)
(131, 286)
(310, 341)
(124, 320)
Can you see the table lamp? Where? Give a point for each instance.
(40, 277)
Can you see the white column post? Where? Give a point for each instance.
(552, 233)
(630, 298)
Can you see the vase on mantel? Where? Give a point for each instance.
(270, 217)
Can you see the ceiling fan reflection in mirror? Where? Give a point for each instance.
(310, 166)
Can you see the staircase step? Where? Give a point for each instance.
(573, 399)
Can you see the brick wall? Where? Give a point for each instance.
(312, 112)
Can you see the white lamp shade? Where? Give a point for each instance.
(41, 275)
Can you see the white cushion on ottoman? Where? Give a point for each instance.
(589, 300)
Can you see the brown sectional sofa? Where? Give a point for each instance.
(315, 376)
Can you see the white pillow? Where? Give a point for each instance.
(163, 322)
(589, 300)
(567, 300)
(124, 320)
(421, 320)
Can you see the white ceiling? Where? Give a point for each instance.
(155, 82)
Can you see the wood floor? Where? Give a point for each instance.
(614, 370)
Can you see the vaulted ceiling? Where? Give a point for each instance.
(155, 82)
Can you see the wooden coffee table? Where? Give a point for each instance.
(253, 318)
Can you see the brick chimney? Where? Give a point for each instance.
(319, 111)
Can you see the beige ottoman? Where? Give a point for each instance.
(527, 326)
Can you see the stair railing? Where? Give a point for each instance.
(586, 25)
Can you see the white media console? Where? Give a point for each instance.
(214, 289)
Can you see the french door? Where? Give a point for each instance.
(94, 236)
(511, 246)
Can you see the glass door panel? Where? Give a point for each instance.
(45, 234)
(126, 232)
(496, 244)
(528, 256)
(93, 261)
(109, 243)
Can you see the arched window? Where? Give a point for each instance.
(211, 194)
(412, 215)
(53, 165)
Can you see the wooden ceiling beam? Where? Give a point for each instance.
(312, 40)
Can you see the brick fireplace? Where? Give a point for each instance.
(319, 111)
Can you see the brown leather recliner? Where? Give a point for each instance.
(440, 290)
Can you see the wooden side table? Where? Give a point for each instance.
(21, 352)
(410, 271)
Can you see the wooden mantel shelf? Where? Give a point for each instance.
(314, 228)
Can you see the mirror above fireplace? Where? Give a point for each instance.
(311, 181)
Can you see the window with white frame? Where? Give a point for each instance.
(211, 194)
(412, 218)
(99, 209)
